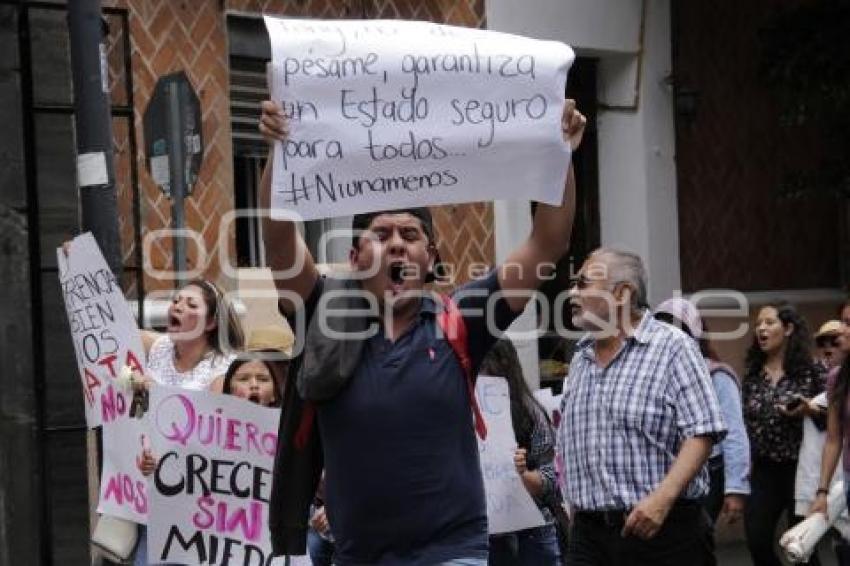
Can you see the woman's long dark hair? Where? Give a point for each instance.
(503, 361)
(841, 385)
(797, 361)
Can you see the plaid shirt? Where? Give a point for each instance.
(622, 426)
(540, 456)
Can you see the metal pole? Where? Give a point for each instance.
(44, 536)
(176, 157)
(95, 167)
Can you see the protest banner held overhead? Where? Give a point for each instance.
(394, 114)
(104, 332)
(509, 506)
(209, 495)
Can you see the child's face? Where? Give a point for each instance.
(254, 382)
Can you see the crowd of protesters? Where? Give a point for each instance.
(658, 439)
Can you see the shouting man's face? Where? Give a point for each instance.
(395, 255)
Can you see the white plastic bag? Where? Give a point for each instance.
(115, 538)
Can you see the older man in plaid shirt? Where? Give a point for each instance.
(639, 417)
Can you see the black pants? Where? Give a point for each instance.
(685, 538)
(772, 493)
(717, 488)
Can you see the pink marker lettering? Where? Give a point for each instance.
(206, 520)
(112, 404)
(180, 431)
(232, 435)
(251, 431)
(109, 362)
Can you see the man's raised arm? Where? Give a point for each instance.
(528, 265)
(285, 248)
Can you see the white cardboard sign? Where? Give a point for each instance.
(509, 506)
(103, 329)
(209, 495)
(123, 488)
(388, 114)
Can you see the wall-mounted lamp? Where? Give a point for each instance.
(687, 102)
(686, 99)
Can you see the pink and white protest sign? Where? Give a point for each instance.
(123, 488)
(103, 329)
(209, 495)
(509, 506)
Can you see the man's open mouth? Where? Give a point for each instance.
(397, 273)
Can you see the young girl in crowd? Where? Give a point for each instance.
(255, 378)
(780, 382)
(534, 460)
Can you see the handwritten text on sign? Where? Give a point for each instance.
(103, 329)
(209, 497)
(509, 506)
(123, 488)
(393, 114)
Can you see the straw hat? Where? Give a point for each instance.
(272, 337)
(829, 328)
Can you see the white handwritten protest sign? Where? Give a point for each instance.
(394, 114)
(103, 329)
(209, 495)
(123, 488)
(509, 506)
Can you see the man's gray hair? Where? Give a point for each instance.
(627, 267)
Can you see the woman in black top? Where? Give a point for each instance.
(780, 381)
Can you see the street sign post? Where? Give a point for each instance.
(174, 147)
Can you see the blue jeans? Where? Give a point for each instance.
(320, 549)
(537, 546)
(141, 556)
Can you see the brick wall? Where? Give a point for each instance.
(167, 37)
(170, 36)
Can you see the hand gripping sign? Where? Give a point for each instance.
(396, 114)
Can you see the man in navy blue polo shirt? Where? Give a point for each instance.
(402, 479)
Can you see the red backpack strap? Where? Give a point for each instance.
(454, 329)
(305, 425)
